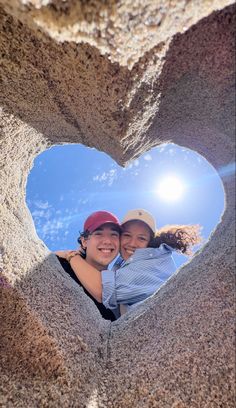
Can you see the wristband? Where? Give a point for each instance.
(72, 254)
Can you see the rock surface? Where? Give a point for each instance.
(121, 76)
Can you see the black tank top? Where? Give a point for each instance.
(106, 313)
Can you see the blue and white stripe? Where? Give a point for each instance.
(138, 277)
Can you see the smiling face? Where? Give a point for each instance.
(102, 246)
(135, 234)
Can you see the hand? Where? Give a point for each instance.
(63, 254)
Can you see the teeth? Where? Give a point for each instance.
(106, 251)
(129, 251)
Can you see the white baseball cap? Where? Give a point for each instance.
(140, 215)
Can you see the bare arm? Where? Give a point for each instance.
(89, 276)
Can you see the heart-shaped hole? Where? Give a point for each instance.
(67, 183)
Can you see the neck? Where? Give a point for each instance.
(96, 265)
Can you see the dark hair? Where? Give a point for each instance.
(179, 237)
(84, 234)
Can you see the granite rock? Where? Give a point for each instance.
(120, 76)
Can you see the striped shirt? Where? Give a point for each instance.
(138, 277)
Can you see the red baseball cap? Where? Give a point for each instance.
(99, 218)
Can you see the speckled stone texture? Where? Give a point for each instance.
(130, 75)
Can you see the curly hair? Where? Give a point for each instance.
(179, 237)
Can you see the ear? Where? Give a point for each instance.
(83, 243)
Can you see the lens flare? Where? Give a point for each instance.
(170, 188)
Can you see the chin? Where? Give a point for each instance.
(101, 264)
(106, 262)
(124, 256)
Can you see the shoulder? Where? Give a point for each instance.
(67, 268)
(63, 262)
(150, 253)
(165, 249)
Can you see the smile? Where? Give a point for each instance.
(106, 250)
(129, 251)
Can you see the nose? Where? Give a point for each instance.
(132, 242)
(107, 239)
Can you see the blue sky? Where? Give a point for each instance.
(69, 182)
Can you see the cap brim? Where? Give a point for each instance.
(138, 219)
(99, 224)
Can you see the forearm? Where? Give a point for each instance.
(89, 276)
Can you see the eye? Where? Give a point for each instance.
(115, 234)
(143, 239)
(126, 234)
(97, 233)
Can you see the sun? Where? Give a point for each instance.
(170, 188)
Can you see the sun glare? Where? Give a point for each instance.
(170, 188)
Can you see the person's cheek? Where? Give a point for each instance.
(121, 243)
(117, 243)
